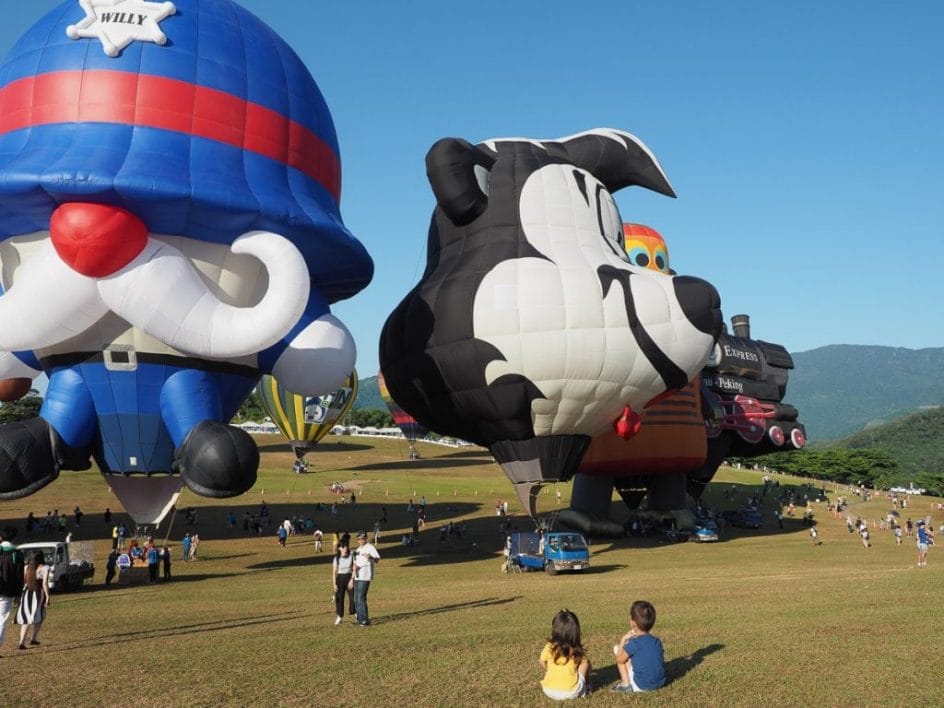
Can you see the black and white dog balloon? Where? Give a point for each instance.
(530, 331)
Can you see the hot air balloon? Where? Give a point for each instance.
(304, 420)
(169, 231)
(529, 331)
(646, 248)
(412, 429)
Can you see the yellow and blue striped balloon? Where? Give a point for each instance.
(304, 420)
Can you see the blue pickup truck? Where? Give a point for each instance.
(560, 550)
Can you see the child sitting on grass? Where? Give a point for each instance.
(564, 660)
(639, 656)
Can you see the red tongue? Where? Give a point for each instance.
(628, 424)
(96, 239)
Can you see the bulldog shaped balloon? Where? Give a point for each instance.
(169, 230)
(530, 331)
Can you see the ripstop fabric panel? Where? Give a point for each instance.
(220, 131)
(304, 420)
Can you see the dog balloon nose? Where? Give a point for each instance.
(96, 239)
(700, 302)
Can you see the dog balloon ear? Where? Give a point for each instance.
(618, 159)
(459, 174)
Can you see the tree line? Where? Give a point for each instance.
(869, 466)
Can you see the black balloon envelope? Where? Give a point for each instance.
(530, 331)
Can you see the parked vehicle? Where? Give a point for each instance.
(561, 550)
(704, 530)
(67, 571)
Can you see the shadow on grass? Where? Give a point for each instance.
(433, 463)
(116, 589)
(678, 667)
(595, 569)
(675, 669)
(217, 558)
(150, 634)
(445, 608)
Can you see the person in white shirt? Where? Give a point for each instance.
(365, 558)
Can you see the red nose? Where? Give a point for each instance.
(96, 239)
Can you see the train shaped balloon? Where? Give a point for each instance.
(744, 385)
(169, 231)
(530, 330)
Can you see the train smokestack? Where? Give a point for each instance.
(742, 326)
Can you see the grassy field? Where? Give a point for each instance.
(760, 617)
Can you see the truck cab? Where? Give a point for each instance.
(66, 570)
(557, 551)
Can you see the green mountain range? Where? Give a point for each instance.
(842, 389)
(915, 442)
(368, 394)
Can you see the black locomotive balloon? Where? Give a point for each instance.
(530, 331)
(743, 388)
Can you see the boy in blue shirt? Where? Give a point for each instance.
(639, 656)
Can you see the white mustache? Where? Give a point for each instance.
(47, 303)
(161, 293)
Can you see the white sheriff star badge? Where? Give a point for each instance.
(118, 23)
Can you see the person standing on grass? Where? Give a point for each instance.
(111, 566)
(152, 562)
(35, 599)
(814, 535)
(11, 576)
(864, 532)
(923, 535)
(185, 546)
(342, 569)
(165, 554)
(364, 561)
(282, 533)
(564, 660)
(194, 542)
(640, 659)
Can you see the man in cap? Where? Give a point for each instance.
(11, 576)
(364, 559)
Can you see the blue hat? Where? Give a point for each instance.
(218, 131)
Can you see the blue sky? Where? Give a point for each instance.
(804, 139)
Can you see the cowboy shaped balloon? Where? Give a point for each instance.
(169, 230)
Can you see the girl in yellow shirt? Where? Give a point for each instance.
(564, 660)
